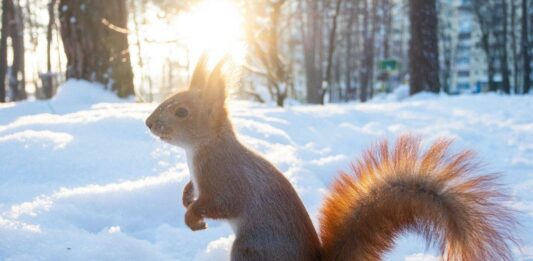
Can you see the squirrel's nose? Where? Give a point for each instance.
(149, 123)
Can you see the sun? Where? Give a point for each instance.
(172, 43)
(213, 26)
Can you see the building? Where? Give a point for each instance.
(462, 36)
(460, 52)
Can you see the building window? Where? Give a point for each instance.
(465, 36)
(463, 86)
(463, 73)
(463, 60)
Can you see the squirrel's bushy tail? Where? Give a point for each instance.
(436, 193)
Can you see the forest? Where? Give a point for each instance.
(311, 51)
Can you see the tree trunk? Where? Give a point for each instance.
(3, 48)
(525, 48)
(310, 29)
(49, 31)
(12, 26)
(445, 35)
(349, 59)
(514, 48)
(48, 82)
(280, 99)
(331, 51)
(367, 55)
(135, 11)
(423, 49)
(95, 38)
(387, 24)
(17, 77)
(486, 20)
(504, 58)
(370, 27)
(490, 64)
(372, 51)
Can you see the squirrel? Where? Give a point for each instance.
(391, 190)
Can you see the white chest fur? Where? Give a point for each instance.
(192, 172)
(234, 224)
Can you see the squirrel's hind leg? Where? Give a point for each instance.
(243, 250)
(246, 252)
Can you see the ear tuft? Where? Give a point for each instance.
(200, 76)
(216, 83)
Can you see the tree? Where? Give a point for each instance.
(514, 48)
(3, 48)
(485, 17)
(48, 78)
(370, 20)
(504, 54)
(492, 17)
(526, 56)
(447, 48)
(423, 49)
(12, 27)
(95, 38)
(331, 51)
(350, 43)
(386, 10)
(268, 54)
(311, 30)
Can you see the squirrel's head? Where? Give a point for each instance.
(195, 115)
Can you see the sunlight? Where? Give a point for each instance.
(172, 43)
(214, 26)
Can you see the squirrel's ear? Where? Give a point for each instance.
(215, 90)
(199, 76)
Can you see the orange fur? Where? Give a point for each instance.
(436, 194)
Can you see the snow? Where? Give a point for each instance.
(81, 178)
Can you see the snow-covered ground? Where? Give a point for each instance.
(81, 178)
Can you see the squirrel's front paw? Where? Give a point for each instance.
(187, 200)
(188, 195)
(194, 222)
(200, 225)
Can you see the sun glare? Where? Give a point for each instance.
(213, 26)
(174, 43)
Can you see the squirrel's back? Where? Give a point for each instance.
(437, 194)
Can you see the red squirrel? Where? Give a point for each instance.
(391, 190)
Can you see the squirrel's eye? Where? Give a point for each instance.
(181, 112)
